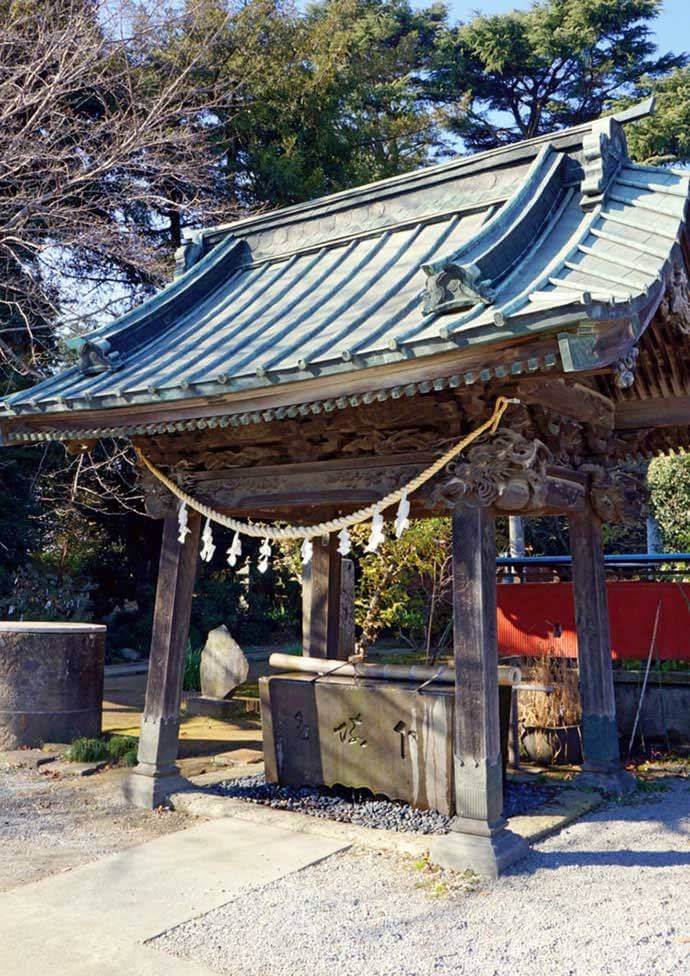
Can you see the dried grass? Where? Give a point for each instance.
(553, 709)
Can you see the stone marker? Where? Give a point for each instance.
(224, 666)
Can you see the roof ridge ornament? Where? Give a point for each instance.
(473, 273)
(189, 252)
(604, 151)
(96, 355)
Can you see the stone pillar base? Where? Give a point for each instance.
(619, 782)
(485, 854)
(150, 791)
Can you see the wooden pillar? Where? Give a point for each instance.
(516, 546)
(321, 591)
(479, 840)
(599, 731)
(156, 774)
(346, 638)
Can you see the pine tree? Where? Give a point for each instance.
(561, 62)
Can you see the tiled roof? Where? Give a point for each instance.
(548, 235)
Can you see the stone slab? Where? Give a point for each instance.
(63, 768)
(548, 819)
(222, 709)
(238, 757)
(26, 758)
(540, 823)
(212, 806)
(96, 918)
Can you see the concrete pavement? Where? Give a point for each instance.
(96, 918)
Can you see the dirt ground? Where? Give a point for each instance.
(50, 825)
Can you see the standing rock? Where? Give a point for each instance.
(224, 666)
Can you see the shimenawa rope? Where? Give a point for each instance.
(261, 530)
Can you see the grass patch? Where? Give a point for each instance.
(438, 883)
(120, 749)
(645, 785)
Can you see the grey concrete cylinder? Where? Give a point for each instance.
(51, 682)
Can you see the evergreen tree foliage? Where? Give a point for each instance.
(513, 76)
(665, 137)
(669, 483)
(123, 123)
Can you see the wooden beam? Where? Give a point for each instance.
(671, 411)
(573, 400)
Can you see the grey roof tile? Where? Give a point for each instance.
(340, 284)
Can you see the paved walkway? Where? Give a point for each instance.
(94, 920)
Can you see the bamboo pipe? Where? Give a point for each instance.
(420, 673)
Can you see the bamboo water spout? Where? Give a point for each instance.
(420, 673)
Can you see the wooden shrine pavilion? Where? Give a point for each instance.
(306, 362)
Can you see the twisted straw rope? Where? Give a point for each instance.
(261, 530)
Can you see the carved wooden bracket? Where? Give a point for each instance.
(625, 369)
(617, 494)
(158, 501)
(675, 305)
(507, 471)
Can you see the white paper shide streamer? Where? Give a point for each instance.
(234, 551)
(402, 520)
(344, 542)
(207, 546)
(306, 533)
(264, 556)
(377, 534)
(307, 551)
(183, 523)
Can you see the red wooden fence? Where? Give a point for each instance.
(538, 618)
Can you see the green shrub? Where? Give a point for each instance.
(669, 488)
(191, 679)
(88, 750)
(121, 748)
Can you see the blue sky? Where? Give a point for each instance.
(672, 25)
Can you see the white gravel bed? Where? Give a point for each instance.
(609, 896)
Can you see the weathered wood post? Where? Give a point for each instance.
(321, 593)
(599, 731)
(157, 774)
(479, 840)
(346, 637)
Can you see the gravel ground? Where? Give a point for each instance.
(50, 825)
(357, 807)
(609, 896)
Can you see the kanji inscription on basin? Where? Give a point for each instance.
(382, 735)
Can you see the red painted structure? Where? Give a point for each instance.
(535, 619)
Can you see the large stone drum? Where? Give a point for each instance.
(51, 682)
